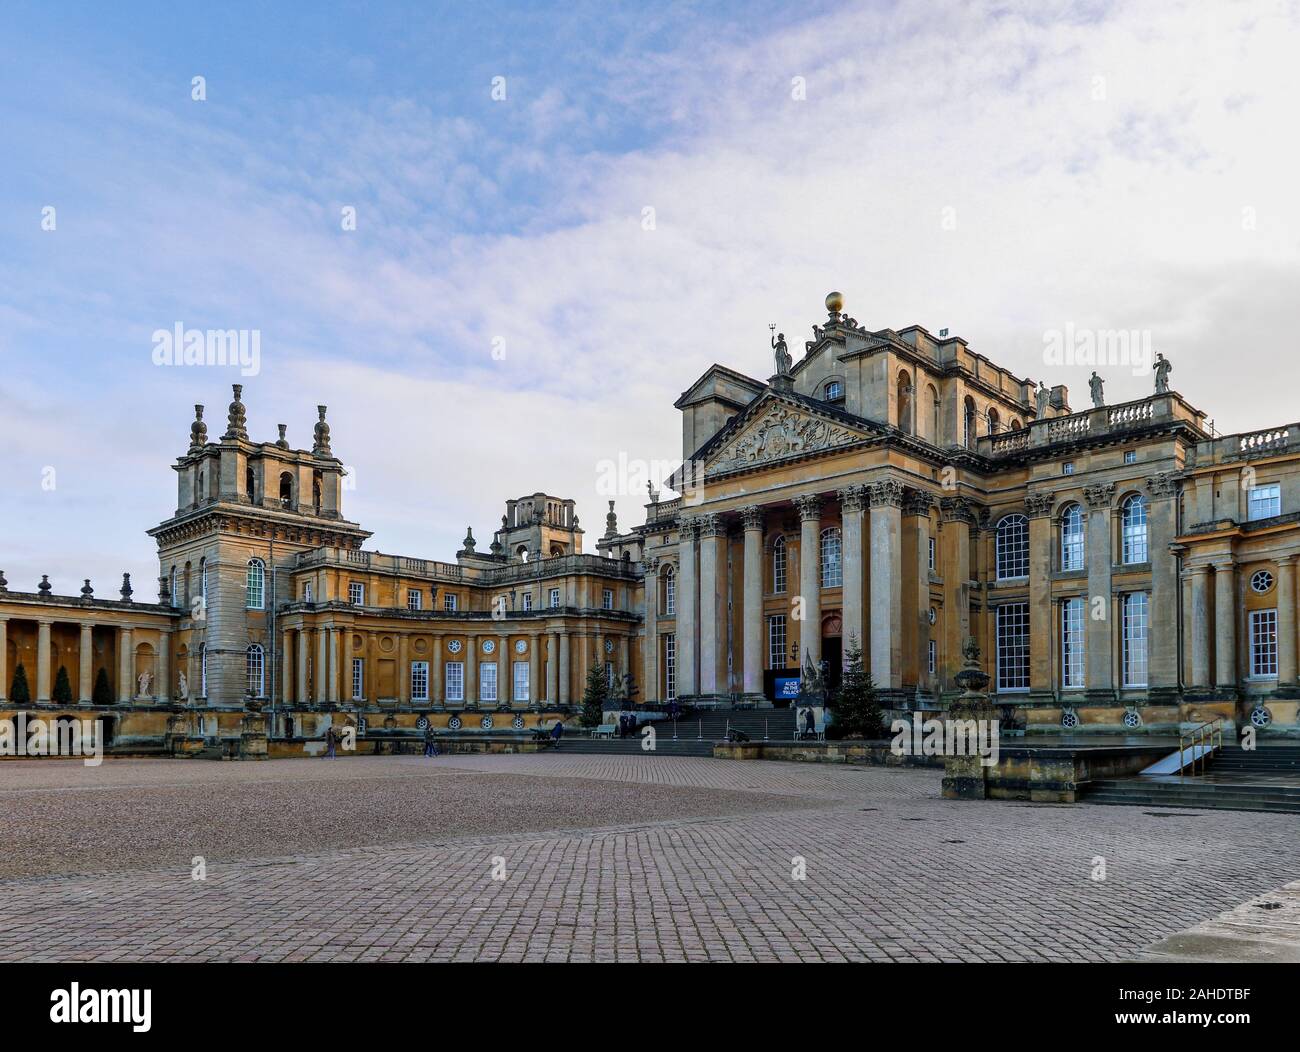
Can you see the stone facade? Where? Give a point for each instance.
(1121, 568)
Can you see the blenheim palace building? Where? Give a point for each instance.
(1122, 569)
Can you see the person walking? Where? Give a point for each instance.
(430, 743)
(330, 740)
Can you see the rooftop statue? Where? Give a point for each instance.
(1163, 369)
(1041, 397)
(783, 360)
(1094, 385)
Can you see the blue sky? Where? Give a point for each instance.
(501, 319)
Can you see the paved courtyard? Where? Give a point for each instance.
(614, 858)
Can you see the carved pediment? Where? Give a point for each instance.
(778, 432)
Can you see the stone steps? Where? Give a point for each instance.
(1134, 792)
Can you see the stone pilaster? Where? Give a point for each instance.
(335, 661)
(1200, 628)
(552, 668)
(752, 615)
(1225, 629)
(687, 600)
(85, 663)
(287, 677)
(853, 502)
(163, 682)
(302, 686)
(4, 658)
(1286, 625)
(566, 680)
(471, 670)
(1097, 636)
(650, 639)
(713, 538)
(1039, 507)
(886, 498)
(125, 664)
(1162, 632)
(959, 516)
(916, 513)
(810, 584)
(437, 677)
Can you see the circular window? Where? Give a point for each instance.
(486, 723)
(1261, 717)
(1069, 720)
(1132, 719)
(454, 646)
(517, 723)
(422, 723)
(933, 615)
(454, 723)
(520, 646)
(1261, 581)
(489, 646)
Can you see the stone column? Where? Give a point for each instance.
(471, 670)
(552, 669)
(505, 677)
(752, 616)
(163, 684)
(1286, 623)
(1097, 635)
(810, 578)
(4, 658)
(1162, 629)
(535, 668)
(916, 508)
(712, 536)
(335, 662)
(403, 669)
(85, 663)
(853, 502)
(886, 499)
(320, 675)
(287, 680)
(959, 517)
(650, 662)
(302, 682)
(1039, 508)
(437, 678)
(1200, 641)
(687, 684)
(565, 677)
(1225, 624)
(125, 663)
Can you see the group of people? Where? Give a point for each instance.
(626, 725)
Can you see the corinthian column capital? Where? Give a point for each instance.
(1099, 496)
(852, 498)
(809, 505)
(886, 493)
(751, 517)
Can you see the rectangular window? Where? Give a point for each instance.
(555, 599)
(607, 600)
(356, 593)
(776, 641)
(1013, 647)
(1135, 620)
(487, 681)
(1072, 643)
(414, 599)
(449, 602)
(932, 656)
(455, 677)
(528, 600)
(932, 553)
(670, 594)
(1263, 643)
(521, 681)
(1263, 502)
(419, 681)
(358, 678)
(670, 666)
(778, 566)
(1130, 456)
(306, 592)
(1067, 468)
(609, 673)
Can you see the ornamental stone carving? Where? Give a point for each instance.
(711, 525)
(321, 433)
(1100, 495)
(781, 432)
(688, 526)
(198, 431)
(1039, 505)
(752, 517)
(918, 502)
(809, 505)
(852, 498)
(237, 418)
(958, 509)
(1163, 484)
(886, 493)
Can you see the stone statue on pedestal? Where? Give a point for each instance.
(142, 681)
(1094, 385)
(784, 363)
(1040, 397)
(183, 691)
(1163, 369)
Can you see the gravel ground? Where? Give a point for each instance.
(58, 817)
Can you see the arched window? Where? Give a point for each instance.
(250, 482)
(203, 670)
(670, 590)
(1013, 547)
(1133, 529)
(256, 584)
(203, 579)
(286, 490)
(1015, 424)
(835, 391)
(255, 664)
(832, 570)
(187, 585)
(993, 420)
(171, 588)
(936, 416)
(1072, 538)
(316, 485)
(905, 403)
(968, 424)
(778, 564)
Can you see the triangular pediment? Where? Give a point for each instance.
(777, 429)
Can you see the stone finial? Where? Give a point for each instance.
(86, 591)
(44, 587)
(282, 442)
(198, 431)
(4, 583)
(611, 522)
(321, 447)
(126, 590)
(237, 419)
(467, 545)
(654, 493)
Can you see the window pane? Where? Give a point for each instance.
(455, 680)
(1134, 522)
(1013, 646)
(1136, 614)
(1013, 547)
(776, 641)
(832, 571)
(487, 681)
(670, 666)
(1263, 643)
(778, 565)
(1072, 643)
(521, 681)
(1072, 538)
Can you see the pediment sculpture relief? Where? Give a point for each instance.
(781, 432)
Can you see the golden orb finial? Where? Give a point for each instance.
(834, 302)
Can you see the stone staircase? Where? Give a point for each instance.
(1262, 779)
(695, 734)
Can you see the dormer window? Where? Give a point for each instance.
(835, 391)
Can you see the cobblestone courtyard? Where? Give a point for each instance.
(604, 858)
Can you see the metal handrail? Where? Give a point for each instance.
(1208, 734)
